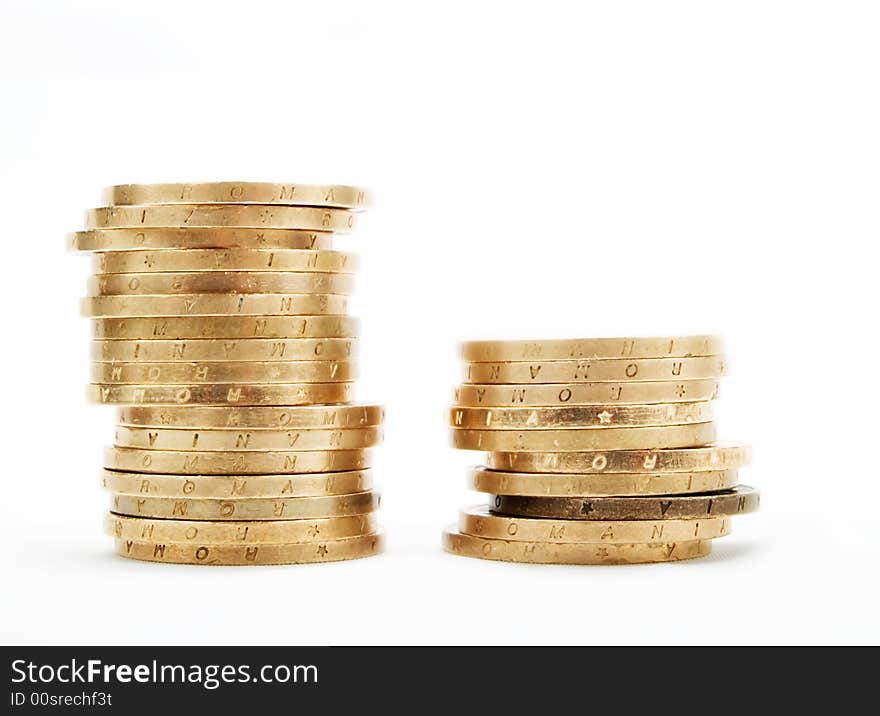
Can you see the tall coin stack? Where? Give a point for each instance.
(220, 328)
(600, 451)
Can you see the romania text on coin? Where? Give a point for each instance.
(237, 486)
(235, 463)
(255, 216)
(571, 553)
(294, 553)
(586, 439)
(590, 348)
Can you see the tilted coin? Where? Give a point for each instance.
(739, 500)
(541, 484)
(237, 486)
(225, 440)
(595, 371)
(659, 347)
(129, 284)
(247, 192)
(215, 304)
(306, 416)
(598, 416)
(216, 372)
(479, 522)
(295, 553)
(176, 462)
(197, 238)
(586, 439)
(183, 328)
(228, 532)
(210, 349)
(257, 216)
(253, 394)
(693, 459)
(186, 260)
(571, 553)
(252, 508)
(630, 393)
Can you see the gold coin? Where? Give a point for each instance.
(255, 216)
(138, 284)
(542, 484)
(598, 416)
(739, 500)
(586, 394)
(571, 553)
(296, 553)
(591, 348)
(216, 372)
(253, 394)
(210, 349)
(247, 440)
(237, 486)
(479, 522)
(227, 533)
(682, 460)
(596, 371)
(281, 418)
(587, 439)
(197, 238)
(235, 463)
(183, 328)
(215, 304)
(246, 192)
(252, 508)
(187, 260)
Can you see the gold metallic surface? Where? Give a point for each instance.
(220, 533)
(295, 553)
(586, 439)
(254, 508)
(245, 192)
(178, 328)
(595, 371)
(213, 304)
(571, 553)
(680, 460)
(600, 484)
(237, 486)
(590, 348)
(599, 416)
(256, 216)
(243, 439)
(290, 417)
(232, 394)
(739, 500)
(571, 394)
(234, 463)
(216, 372)
(188, 260)
(209, 349)
(479, 522)
(197, 238)
(224, 282)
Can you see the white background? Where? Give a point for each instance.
(541, 170)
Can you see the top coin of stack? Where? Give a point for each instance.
(601, 451)
(220, 315)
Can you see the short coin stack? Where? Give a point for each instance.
(220, 328)
(601, 451)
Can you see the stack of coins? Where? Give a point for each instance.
(220, 327)
(601, 451)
